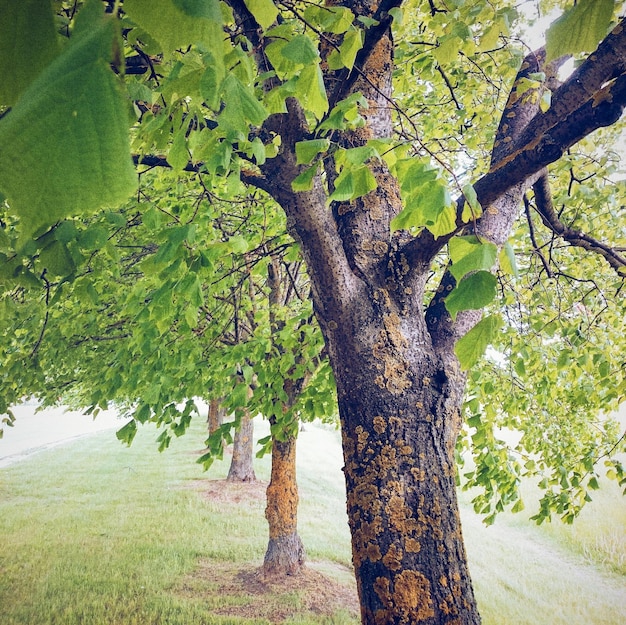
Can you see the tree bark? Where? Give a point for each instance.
(400, 414)
(215, 417)
(241, 464)
(285, 552)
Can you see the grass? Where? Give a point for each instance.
(98, 534)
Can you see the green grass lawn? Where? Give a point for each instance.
(93, 533)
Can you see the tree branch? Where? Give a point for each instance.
(346, 78)
(603, 109)
(533, 237)
(545, 208)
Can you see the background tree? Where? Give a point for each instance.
(298, 100)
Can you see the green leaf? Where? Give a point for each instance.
(470, 348)
(353, 183)
(300, 50)
(127, 433)
(397, 14)
(56, 259)
(179, 23)
(329, 19)
(65, 147)
(471, 254)
(448, 49)
(579, 29)
(310, 90)
(28, 43)
(431, 207)
(264, 11)
(242, 107)
(178, 156)
(472, 209)
(211, 81)
(304, 180)
(349, 48)
(472, 293)
(306, 151)
(508, 264)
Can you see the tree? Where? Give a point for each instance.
(298, 100)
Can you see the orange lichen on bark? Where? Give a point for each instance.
(413, 596)
(362, 436)
(282, 492)
(379, 424)
(412, 546)
(393, 558)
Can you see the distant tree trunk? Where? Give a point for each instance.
(241, 465)
(285, 552)
(216, 415)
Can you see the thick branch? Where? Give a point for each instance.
(604, 109)
(605, 64)
(347, 78)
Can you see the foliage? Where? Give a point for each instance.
(150, 301)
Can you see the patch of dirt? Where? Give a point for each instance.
(250, 594)
(224, 492)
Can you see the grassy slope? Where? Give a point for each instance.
(94, 533)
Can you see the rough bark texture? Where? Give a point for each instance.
(285, 551)
(241, 464)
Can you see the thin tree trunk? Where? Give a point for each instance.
(215, 417)
(241, 464)
(285, 552)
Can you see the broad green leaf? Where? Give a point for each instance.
(65, 147)
(472, 293)
(242, 107)
(415, 173)
(397, 14)
(353, 183)
(345, 114)
(178, 156)
(448, 49)
(127, 433)
(179, 23)
(579, 29)
(508, 264)
(264, 11)
(329, 19)
(356, 156)
(349, 48)
(238, 244)
(211, 81)
(471, 254)
(472, 209)
(304, 180)
(28, 43)
(470, 348)
(428, 207)
(306, 151)
(300, 50)
(57, 260)
(310, 90)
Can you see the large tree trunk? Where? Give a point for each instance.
(285, 551)
(400, 414)
(241, 464)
